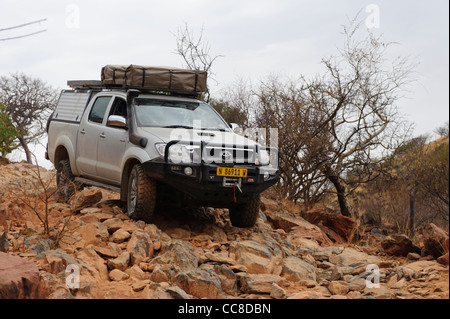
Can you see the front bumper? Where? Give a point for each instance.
(203, 187)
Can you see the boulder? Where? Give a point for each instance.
(342, 225)
(309, 231)
(120, 236)
(4, 242)
(434, 239)
(276, 292)
(19, 278)
(117, 275)
(93, 233)
(96, 265)
(351, 256)
(201, 283)
(339, 287)
(295, 269)
(177, 293)
(228, 279)
(121, 262)
(86, 198)
(56, 261)
(268, 204)
(443, 260)
(179, 253)
(399, 245)
(139, 246)
(257, 257)
(37, 245)
(259, 283)
(113, 224)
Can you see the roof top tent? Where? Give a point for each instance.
(162, 80)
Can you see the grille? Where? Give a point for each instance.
(231, 155)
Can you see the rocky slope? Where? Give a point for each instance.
(196, 254)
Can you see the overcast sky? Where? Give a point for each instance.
(257, 38)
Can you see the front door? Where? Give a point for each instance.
(111, 146)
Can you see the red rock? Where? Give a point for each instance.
(86, 198)
(399, 245)
(335, 237)
(19, 278)
(201, 283)
(298, 226)
(434, 240)
(342, 225)
(443, 260)
(310, 231)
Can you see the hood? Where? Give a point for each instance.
(165, 135)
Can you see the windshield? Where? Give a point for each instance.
(173, 114)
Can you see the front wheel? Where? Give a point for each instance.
(245, 214)
(141, 195)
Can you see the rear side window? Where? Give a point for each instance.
(98, 109)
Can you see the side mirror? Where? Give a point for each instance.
(234, 127)
(117, 121)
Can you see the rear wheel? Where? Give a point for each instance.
(141, 195)
(64, 181)
(245, 214)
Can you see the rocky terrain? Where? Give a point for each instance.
(93, 250)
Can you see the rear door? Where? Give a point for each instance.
(89, 134)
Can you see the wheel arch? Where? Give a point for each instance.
(127, 167)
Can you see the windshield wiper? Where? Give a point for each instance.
(213, 129)
(178, 126)
(190, 127)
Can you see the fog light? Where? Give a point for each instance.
(188, 171)
(266, 176)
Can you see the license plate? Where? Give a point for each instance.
(231, 172)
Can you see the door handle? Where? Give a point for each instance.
(83, 131)
(103, 135)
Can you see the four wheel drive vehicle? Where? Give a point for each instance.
(156, 146)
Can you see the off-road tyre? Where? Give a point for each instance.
(141, 194)
(245, 214)
(64, 181)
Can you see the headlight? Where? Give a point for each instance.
(264, 157)
(179, 153)
(161, 148)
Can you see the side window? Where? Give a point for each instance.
(119, 107)
(98, 109)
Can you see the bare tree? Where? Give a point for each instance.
(29, 101)
(357, 98)
(335, 128)
(195, 52)
(281, 104)
(442, 130)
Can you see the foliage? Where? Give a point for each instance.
(8, 133)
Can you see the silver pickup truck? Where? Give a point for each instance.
(157, 149)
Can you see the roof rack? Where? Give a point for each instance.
(85, 84)
(97, 85)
